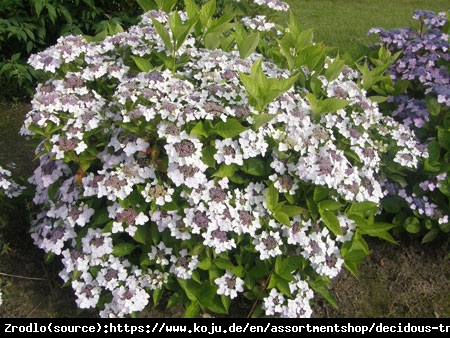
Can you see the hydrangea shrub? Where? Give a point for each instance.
(201, 160)
(418, 96)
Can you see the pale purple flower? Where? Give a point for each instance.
(229, 285)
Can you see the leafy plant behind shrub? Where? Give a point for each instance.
(27, 27)
(417, 93)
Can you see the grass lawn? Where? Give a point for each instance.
(344, 23)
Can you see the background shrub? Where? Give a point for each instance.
(29, 26)
(410, 77)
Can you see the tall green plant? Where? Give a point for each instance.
(30, 26)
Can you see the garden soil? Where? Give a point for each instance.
(408, 280)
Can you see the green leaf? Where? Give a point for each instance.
(262, 119)
(180, 30)
(285, 266)
(207, 11)
(229, 129)
(293, 210)
(123, 249)
(320, 193)
(205, 264)
(272, 197)
(374, 229)
(225, 171)
(221, 24)
(331, 221)
(212, 41)
(443, 137)
(208, 156)
(190, 288)
(433, 105)
(392, 204)
(146, 5)
(434, 152)
(38, 5)
(280, 283)
(362, 209)
(354, 252)
(207, 294)
(224, 264)
(166, 5)
(324, 292)
(202, 128)
(328, 105)
(412, 225)
(334, 69)
(263, 90)
(142, 235)
(191, 8)
(192, 310)
(378, 98)
(330, 205)
(143, 64)
(247, 46)
(51, 12)
(164, 34)
(430, 235)
(101, 217)
(217, 306)
(254, 167)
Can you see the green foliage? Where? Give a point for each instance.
(29, 26)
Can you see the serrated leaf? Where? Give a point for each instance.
(143, 64)
(229, 129)
(247, 46)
